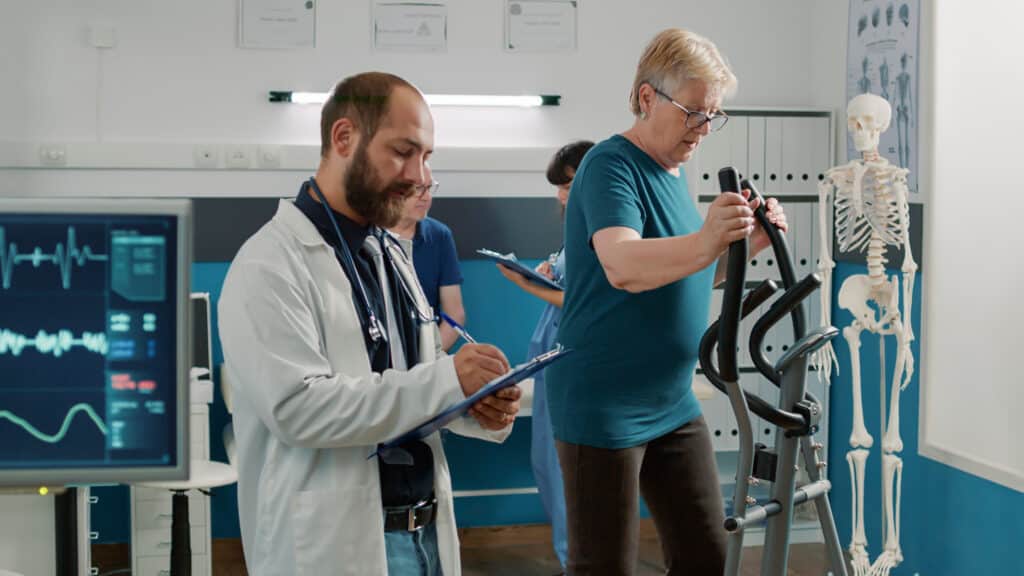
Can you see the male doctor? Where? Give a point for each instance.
(331, 349)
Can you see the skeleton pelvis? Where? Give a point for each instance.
(859, 291)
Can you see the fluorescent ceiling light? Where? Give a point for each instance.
(304, 97)
(476, 100)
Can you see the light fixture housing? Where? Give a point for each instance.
(467, 100)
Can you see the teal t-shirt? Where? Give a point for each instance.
(629, 380)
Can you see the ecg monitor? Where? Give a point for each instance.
(94, 324)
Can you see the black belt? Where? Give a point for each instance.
(410, 518)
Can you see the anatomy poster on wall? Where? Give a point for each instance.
(882, 59)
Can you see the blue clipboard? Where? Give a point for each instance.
(510, 261)
(391, 452)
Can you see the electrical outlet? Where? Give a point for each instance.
(236, 156)
(206, 156)
(53, 155)
(269, 157)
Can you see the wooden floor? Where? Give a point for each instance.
(505, 551)
(526, 551)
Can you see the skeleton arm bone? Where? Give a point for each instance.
(909, 269)
(825, 358)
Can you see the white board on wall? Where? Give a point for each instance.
(972, 380)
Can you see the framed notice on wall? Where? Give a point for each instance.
(540, 25)
(410, 26)
(280, 24)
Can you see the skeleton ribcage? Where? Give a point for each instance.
(876, 209)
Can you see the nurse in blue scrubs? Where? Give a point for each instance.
(543, 457)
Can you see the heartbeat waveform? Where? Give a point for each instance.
(64, 257)
(56, 344)
(59, 435)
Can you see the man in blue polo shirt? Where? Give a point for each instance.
(435, 259)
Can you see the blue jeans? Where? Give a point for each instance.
(413, 553)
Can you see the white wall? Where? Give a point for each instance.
(176, 74)
(973, 386)
(828, 64)
(162, 95)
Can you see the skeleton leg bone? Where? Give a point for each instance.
(859, 436)
(859, 559)
(892, 555)
(891, 440)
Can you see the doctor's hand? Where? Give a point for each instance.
(497, 410)
(478, 364)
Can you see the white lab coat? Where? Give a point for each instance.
(308, 409)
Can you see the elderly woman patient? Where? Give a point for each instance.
(640, 266)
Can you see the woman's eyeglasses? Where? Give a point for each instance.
(695, 119)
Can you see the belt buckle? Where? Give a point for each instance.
(412, 519)
(424, 505)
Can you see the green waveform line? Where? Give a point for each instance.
(54, 438)
(63, 257)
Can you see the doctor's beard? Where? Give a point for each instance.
(381, 204)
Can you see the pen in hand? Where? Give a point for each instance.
(458, 328)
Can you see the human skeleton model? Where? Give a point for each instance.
(871, 211)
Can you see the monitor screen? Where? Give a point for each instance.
(93, 329)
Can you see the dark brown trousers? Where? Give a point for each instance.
(678, 478)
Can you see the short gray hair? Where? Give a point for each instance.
(675, 56)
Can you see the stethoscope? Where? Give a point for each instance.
(374, 328)
(420, 316)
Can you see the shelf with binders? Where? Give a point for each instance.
(784, 153)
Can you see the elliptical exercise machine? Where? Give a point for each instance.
(797, 414)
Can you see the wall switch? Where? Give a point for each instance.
(53, 155)
(206, 156)
(236, 156)
(269, 157)
(102, 35)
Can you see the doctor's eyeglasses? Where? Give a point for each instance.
(422, 189)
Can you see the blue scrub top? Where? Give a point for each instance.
(546, 333)
(435, 259)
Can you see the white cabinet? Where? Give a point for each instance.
(782, 153)
(151, 514)
(773, 156)
(727, 147)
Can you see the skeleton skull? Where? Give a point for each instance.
(867, 117)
